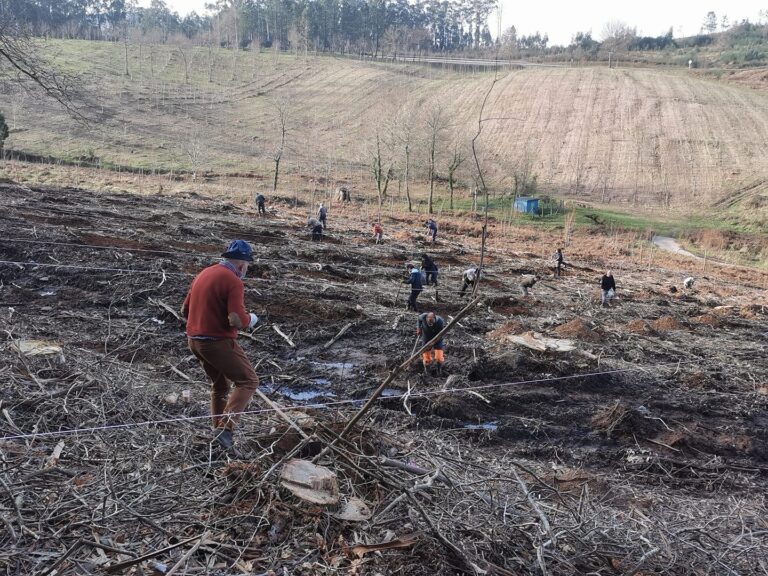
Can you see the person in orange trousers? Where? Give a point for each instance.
(428, 326)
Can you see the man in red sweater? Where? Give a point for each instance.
(215, 311)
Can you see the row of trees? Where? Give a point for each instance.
(339, 25)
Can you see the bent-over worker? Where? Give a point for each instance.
(428, 326)
(215, 311)
(378, 232)
(316, 228)
(470, 277)
(528, 281)
(260, 204)
(431, 226)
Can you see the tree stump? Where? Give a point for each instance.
(343, 194)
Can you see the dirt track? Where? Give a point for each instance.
(661, 412)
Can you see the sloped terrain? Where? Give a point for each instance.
(651, 137)
(643, 449)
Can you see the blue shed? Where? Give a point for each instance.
(527, 205)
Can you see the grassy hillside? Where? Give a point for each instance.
(653, 138)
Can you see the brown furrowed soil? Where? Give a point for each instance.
(641, 451)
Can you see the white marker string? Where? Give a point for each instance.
(327, 405)
(189, 274)
(188, 253)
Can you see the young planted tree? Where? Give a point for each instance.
(436, 123)
(381, 175)
(281, 109)
(194, 148)
(403, 133)
(457, 159)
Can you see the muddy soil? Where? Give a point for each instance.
(663, 395)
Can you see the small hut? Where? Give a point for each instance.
(527, 205)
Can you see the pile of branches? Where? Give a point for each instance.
(146, 490)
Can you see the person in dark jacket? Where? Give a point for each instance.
(558, 258)
(608, 288)
(260, 204)
(430, 269)
(322, 215)
(317, 229)
(414, 279)
(428, 326)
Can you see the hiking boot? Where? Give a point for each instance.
(439, 369)
(224, 438)
(426, 370)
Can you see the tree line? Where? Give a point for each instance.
(334, 25)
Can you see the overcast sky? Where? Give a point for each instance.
(561, 19)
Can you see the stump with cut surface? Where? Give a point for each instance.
(343, 194)
(310, 482)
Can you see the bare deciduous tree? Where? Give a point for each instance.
(381, 175)
(457, 159)
(616, 35)
(195, 149)
(403, 133)
(281, 108)
(436, 123)
(22, 53)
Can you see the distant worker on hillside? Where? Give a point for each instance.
(428, 326)
(431, 227)
(378, 232)
(414, 279)
(558, 258)
(215, 311)
(470, 277)
(316, 228)
(528, 282)
(429, 267)
(688, 282)
(260, 204)
(608, 288)
(322, 214)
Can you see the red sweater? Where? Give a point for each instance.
(215, 293)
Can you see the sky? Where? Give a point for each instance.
(561, 19)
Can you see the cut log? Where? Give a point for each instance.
(536, 341)
(310, 482)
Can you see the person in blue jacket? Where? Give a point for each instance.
(414, 279)
(431, 226)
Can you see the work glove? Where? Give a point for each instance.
(254, 319)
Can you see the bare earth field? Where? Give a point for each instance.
(650, 137)
(642, 450)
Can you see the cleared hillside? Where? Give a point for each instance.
(638, 135)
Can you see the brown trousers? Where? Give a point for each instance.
(224, 361)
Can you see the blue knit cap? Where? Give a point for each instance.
(239, 250)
